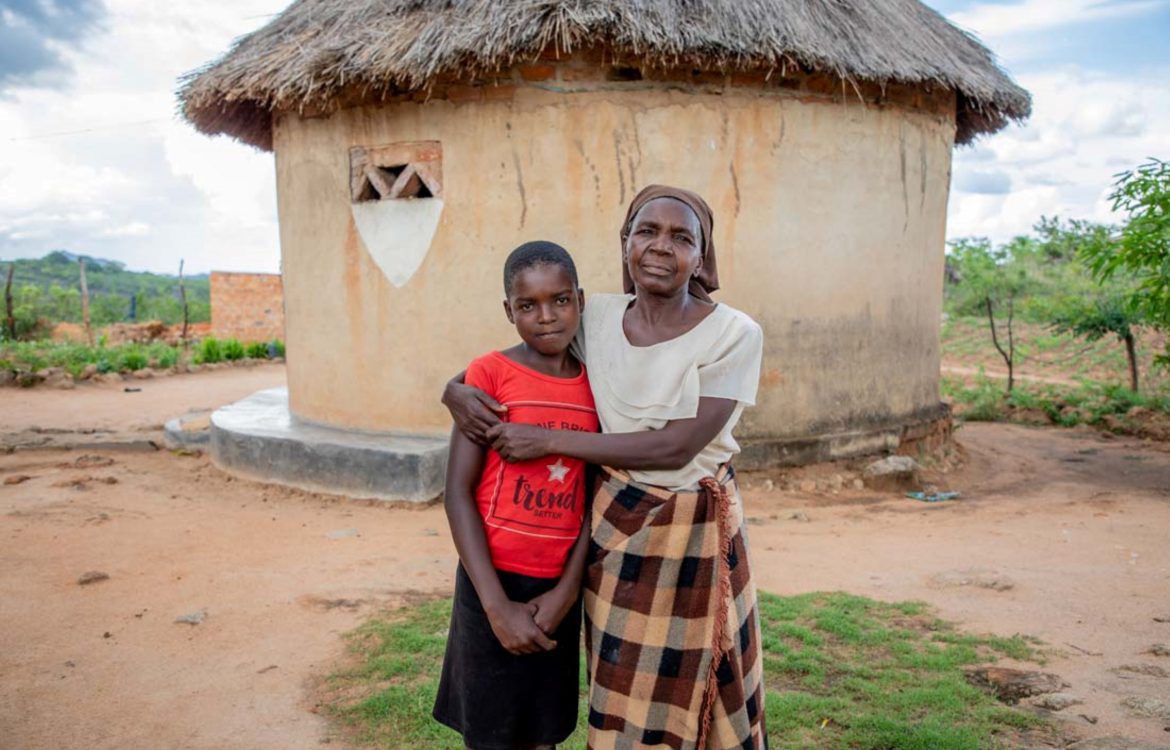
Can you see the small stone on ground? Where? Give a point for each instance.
(92, 576)
(1151, 708)
(892, 474)
(982, 578)
(1149, 670)
(194, 618)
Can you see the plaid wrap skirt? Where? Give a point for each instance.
(671, 618)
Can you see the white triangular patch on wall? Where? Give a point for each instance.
(398, 233)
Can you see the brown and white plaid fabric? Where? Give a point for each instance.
(672, 624)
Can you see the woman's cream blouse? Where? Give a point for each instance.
(643, 387)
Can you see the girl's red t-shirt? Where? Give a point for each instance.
(532, 510)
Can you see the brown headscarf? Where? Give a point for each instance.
(707, 279)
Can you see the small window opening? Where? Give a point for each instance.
(400, 171)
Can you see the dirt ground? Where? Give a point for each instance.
(1059, 534)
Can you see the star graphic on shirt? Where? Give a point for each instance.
(557, 471)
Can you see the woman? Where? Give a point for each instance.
(671, 617)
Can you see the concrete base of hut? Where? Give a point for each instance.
(925, 432)
(259, 438)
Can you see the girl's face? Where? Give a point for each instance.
(545, 307)
(664, 248)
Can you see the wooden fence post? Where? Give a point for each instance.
(11, 321)
(183, 295)
(85, 304)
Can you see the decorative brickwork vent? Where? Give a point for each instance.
(397, 171)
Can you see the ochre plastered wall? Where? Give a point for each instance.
(247, 306)
(829, 215)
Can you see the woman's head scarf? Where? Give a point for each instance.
(707, 280)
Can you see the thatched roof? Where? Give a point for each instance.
(316, 51)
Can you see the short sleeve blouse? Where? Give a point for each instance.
(640, 388)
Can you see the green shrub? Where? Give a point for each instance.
(208, 351)
(233, 350)
(984, 401)
(257, 350)
(167, 358)
(133, 358)
(277, 348)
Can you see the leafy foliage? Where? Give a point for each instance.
(233, 350)
(1142, 247)
(30, 356)
(1049, 277)
(209, 351)
(46, 291)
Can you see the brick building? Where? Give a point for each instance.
(247, 306)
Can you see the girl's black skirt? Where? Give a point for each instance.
(498, 701)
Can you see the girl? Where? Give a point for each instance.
(510, 674)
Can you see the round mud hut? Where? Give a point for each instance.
(416, 143)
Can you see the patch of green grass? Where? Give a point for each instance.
(983, 402)
(74, 358)
(233, 350)
(1105, 405)
(208, 351)
(889, 678)
(842, 673)
(256, 350)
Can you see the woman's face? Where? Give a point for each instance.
(664, 248)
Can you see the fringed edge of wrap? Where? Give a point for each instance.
(723, 523)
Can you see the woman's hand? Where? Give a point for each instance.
(519, 442)
(473, 410)
(517, 631)
(552, 606)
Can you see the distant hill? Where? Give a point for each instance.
(48, 288)
(103, 276)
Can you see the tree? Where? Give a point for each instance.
(1073, 300)
(1142, 246)
(1097, 316)
(991, 283)
(1059, 241)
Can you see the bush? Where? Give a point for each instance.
(276, 348)
(257, 350)
(163, 355)
(233, 350)
(985, 400)
(133, 358)
(209, 351)
(31, 356)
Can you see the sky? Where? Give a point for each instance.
(93, 158)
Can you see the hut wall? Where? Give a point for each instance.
(830, 223)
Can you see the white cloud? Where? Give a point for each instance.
(1085, 128)
(133, 229)
(976, 181)
(102, 165)
(997, 19)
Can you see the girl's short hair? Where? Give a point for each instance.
(534, 254)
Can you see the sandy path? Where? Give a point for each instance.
(109, 407)
(1077, 522)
